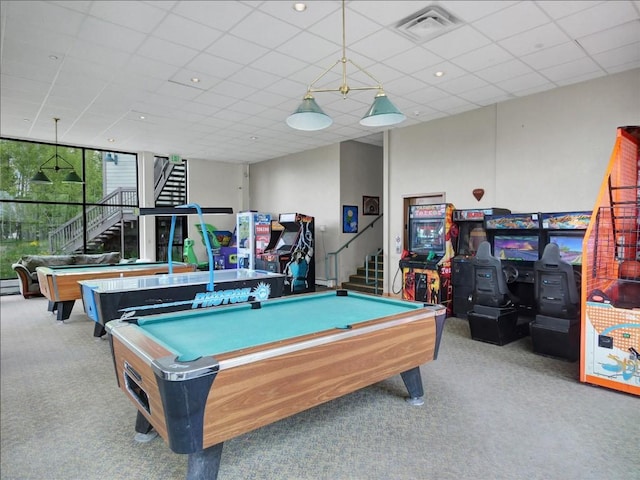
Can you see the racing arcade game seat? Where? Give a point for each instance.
(555, 331)
(493, 317)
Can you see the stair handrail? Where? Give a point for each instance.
(366, 270)
(346, 245)
(108, 206)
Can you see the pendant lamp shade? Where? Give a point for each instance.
(309, 116)
(72, 177)
(59, 163)
(41, 179)
(382, 113)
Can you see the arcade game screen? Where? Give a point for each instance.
(516, 247)
(427, 236)
(570, 248)
(287, 241)
(470, 236)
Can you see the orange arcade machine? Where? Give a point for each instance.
(610, 300)
(426, 263)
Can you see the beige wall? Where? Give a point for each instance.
(546, 152)
(214, 184)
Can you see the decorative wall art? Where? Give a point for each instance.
(349, 219)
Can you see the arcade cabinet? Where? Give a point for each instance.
(291, 251)
(253, 235)
(426, 268)
(493, 317)
(471, 232)
(555, 332)
(515, 239)
(610, 299)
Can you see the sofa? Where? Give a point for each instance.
(25, 268)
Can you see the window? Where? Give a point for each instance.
(97, 216)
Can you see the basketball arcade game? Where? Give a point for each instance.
(610, 318)
(516, 239)
(471, 232)
(426, 266)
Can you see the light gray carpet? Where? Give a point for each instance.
(490, 413)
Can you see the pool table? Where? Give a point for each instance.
(60, 284)
(108, 299)
(205, 376)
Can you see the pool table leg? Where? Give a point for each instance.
(204, 464)
(413, 381)
(144, 429)
(99, 330)
(63, 309)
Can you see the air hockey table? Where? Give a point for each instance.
(110, 299)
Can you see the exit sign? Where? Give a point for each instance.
(175, 158)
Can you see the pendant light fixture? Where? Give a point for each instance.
(60, 164)
(309, 116)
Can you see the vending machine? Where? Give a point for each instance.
(426, 265)
(253, 231)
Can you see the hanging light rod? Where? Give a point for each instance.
(309, 116)
(60, 164)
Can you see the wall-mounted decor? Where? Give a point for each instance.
(370, 205)
(478, 193)
(349, 219)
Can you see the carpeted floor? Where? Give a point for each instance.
(490, 413)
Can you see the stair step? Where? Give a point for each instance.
(362, 288)
(362, 280)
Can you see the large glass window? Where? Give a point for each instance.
(61, 218)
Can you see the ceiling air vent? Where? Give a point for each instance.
(426, 24)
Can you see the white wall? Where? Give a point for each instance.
(542, 153)
(306, 183)
(360, 174)
(214, 184)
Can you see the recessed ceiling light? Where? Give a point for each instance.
(26, 120)
(142, 117)
(195, 79)
(53, 57)
(253, 137)
(111, 139)
(299, 6)
(439, 73)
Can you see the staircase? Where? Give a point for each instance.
(365, 278)
(170, 186)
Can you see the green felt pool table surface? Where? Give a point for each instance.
(193, 334)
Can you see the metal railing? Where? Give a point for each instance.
(70, 235)
(376, 262)
(346, 245)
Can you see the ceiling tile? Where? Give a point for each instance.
(167, 52)
(110, 35)
(182, 31)
(140, 16)
(627, 55)
(457, 42)
(515, 19)
(619, 36)
(483, 57)
(221, 15)
(462, 84)
(524, 43)
(570, 70)
(557, 55)
(251, 28)
(599, 17)
(504, 71)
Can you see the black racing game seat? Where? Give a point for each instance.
(555, 331)
(493, 317)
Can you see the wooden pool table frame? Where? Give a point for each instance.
(290, 375)
(60, 284)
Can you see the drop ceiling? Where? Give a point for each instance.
(118, 73)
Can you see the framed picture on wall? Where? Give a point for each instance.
(370, 205)
(349, 219)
